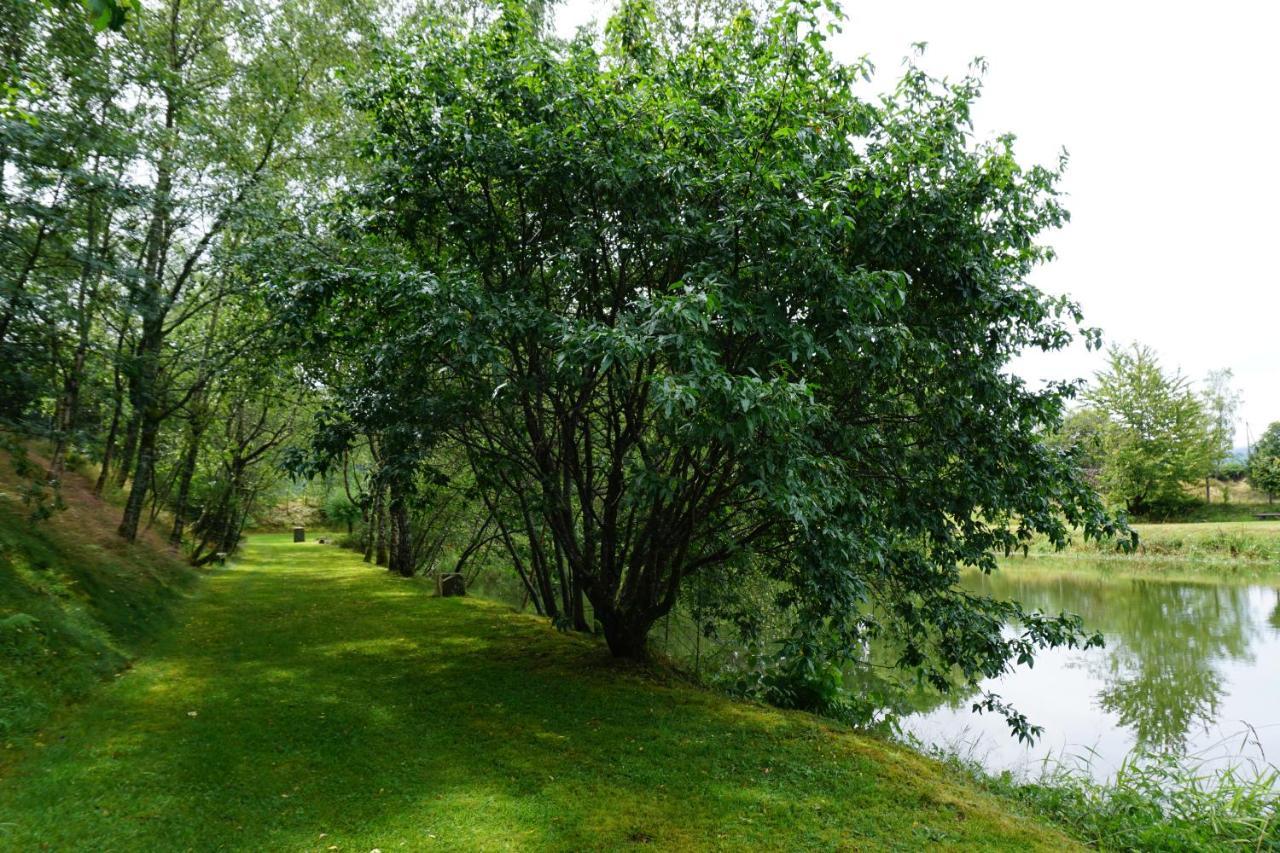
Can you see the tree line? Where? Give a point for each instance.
(141, 170)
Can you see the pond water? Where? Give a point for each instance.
(1189, 667)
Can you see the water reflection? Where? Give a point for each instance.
(1164, 643)
(1162, 674)
(1183, 663)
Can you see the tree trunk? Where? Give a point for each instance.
(185, 475)
(20, 285)
(108, 450)
(70, 412)
(58, 455)
(371, 525)
(241, 499)
(151, 299)
(579, 609)
(401, 539)
(142, 475)
(627, 638)
(86, 298)
(380, 555)
(129, 452)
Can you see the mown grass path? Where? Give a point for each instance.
(307, 701)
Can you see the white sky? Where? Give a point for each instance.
(1168, 111)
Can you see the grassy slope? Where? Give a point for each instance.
(1206, 539)
(76, 603)
(309, 701)
(1245, 540)
(1244, 548)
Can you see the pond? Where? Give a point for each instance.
(1189, 667)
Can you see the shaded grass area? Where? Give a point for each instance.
(76, 602)
(309, 701)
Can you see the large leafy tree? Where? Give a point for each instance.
(689, 305)
(65, 152)
(1159, 437)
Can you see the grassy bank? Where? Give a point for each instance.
(1238, 511)
(1243, 547)
(76, 602)
(311, 702)
(1153, 802)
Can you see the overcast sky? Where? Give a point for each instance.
(1169, 114)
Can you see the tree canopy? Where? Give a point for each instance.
(689, 306)
(1158, 437)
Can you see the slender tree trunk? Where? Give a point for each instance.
(20, 283)
(142, 476)
(371, 525)
(401, 537)
(380, 550)
(117, 409)
(69, 413)
(579, 608)
(159, 496)
(185, 474)
(241, 500)
(199, 420)
(109, 448)
(86, 298)
(146, 373)
(129, 451)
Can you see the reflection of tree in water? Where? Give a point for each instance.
(1163, 677)
(1163, 642)
(1275, 614)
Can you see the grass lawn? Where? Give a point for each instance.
(307, 701)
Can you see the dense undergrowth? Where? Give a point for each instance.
(76, 602)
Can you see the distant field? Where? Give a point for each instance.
(1235, 511)
(1203, 529)
(1254, 542)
